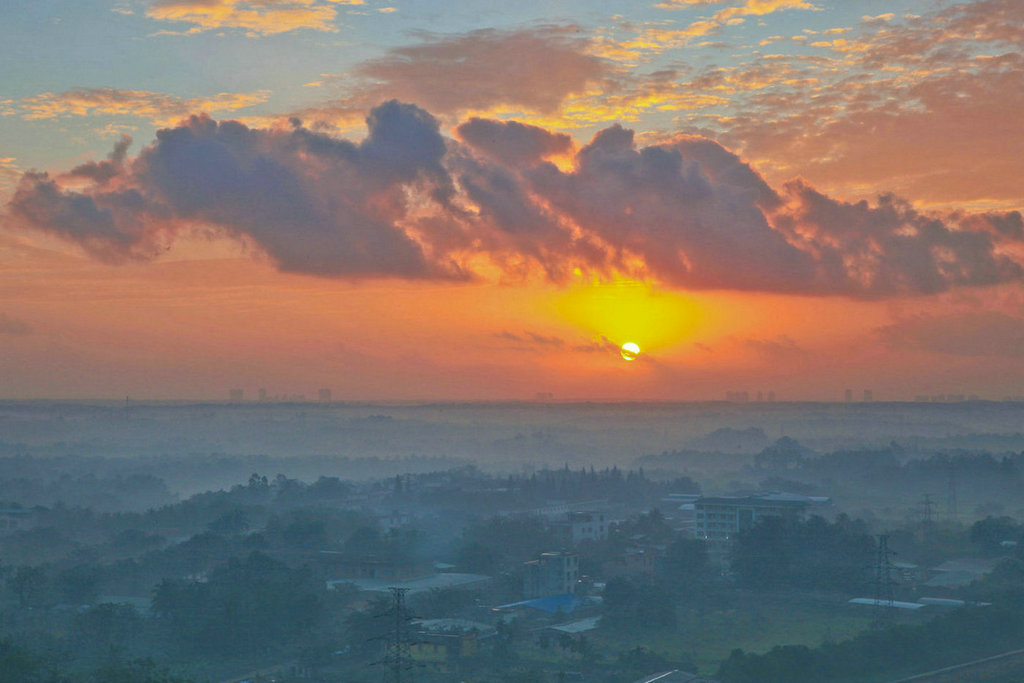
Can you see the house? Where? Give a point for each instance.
(552, 573)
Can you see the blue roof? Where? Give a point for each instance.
(565, 603)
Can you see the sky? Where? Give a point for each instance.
(421, 200)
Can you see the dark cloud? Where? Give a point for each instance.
(14, 326)
(530, 339)
(976, 334)
(891, 248)
(102, 171)
(511, 142)
(692, 223)
(406, 202)
(313, 203)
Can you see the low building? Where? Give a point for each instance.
(635, 562)
(551, 574)
(718, 519)
(442, 652)
(583, 526)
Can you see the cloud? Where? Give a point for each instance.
(14, 326)
(102, 171)
(924, 106)
(9, 173)
(159, 108)
(777, 349)
(535, 69)
(530, 341)
(256, 17)
(513, 142)
(732, 15)
(974, 334)
(407, 202)
(315, 204)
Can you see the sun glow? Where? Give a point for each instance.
(628, 311)
(629, 351)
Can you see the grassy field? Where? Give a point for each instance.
(754, 624)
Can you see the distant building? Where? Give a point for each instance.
(719, 519)
(323, 395)
(263, 394)
(869, 396)
(584, 526)
(849, 396)
(552, 574)
(235, 395)
(737, 396)
(636, 562)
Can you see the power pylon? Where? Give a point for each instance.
(397, 661)
(884, 583)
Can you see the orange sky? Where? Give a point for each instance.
(786, 196)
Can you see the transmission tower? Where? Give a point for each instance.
(927, 506)
(397, 660)
(884, 583)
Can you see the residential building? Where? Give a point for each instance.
(551, 574)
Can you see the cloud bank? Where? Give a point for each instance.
(407, 202)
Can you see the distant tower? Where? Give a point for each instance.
(263, 394)
(868, 396)
(884, 583)
(771, 396)
(849, 395)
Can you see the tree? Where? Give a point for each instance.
(29, 584)
(79, 584)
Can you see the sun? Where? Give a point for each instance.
(629, 351)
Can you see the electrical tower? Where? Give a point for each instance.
(884, 583)
(927, 511)
(397, 660)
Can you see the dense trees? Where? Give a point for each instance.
(812, 554)
(245, 606)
